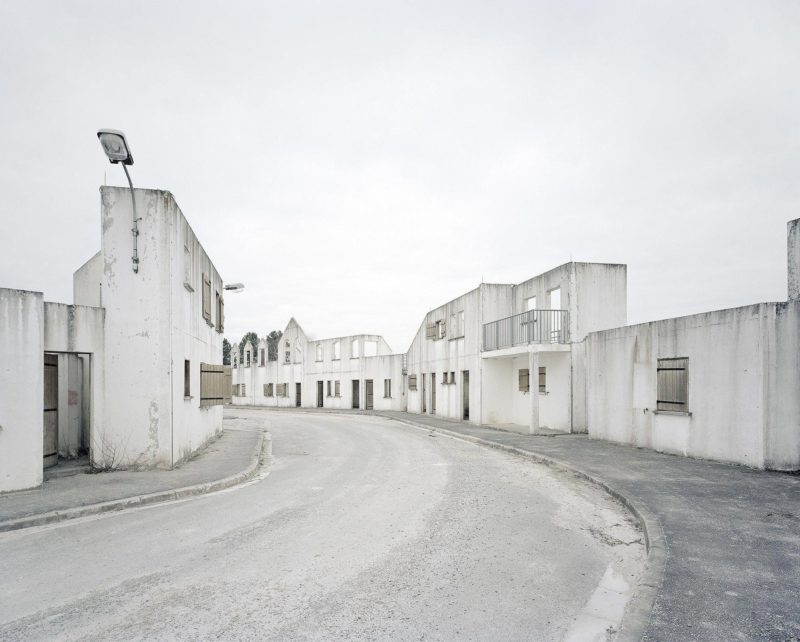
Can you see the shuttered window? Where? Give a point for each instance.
(387, 388)
(524, 380)
(220, 313)
(215, 385)
(281, 390)
(268, 390)
(542, 378)
(412, 382)
(206, 298)
(673, 384)
(336, 389)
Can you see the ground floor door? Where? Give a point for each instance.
(356, 400)
(50, 450)
(433, 393)
(465, 394)
(368, 394)
(319, 394)
(424, 393)
(297, 395)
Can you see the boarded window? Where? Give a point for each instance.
(206, 298)
(387, 388)
(220, 313)
(282, 390)
(673, 384)
(542, 379)
(187, 378)
(267, 389)
(412, 382)
(430, 331)
(215, 385)
(336, 389)
(524, 377)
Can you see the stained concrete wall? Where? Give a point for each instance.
(742, 392)
(153, 322)
(793, 258)
(21, 388)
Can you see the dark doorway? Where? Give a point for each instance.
(368, 394)
(319, 394)
(50, 450)
(297, 395)
(433, 393)
(356, 400)
(424, 393)
(465, 394)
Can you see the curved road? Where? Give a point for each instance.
(363, 529)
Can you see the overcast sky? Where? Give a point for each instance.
(358, 163)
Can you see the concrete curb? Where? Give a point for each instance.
(640, 606)
(261, 452)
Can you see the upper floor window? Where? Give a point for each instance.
(336, 349)
(319, 352)
(354, 349)
(530, 303)
(370, 348)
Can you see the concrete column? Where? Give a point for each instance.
(533, 394)
(793, 256)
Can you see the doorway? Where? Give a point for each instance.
(297, 394)
(433, 393)
(465, 394)
(319, 394)
(424, 393)
(368, 394)
(356, 401)
(50, 450)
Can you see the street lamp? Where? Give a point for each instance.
(116, 148)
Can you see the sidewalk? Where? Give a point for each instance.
(229, 460)
(728, 537)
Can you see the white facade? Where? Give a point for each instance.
(740, 376)
(128, 354)
(338, 373)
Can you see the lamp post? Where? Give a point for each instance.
(116, 148)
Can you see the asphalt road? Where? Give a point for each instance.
(363, 529)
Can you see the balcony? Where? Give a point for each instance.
(533, 326)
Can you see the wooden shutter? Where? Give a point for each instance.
(524, 380)
(214, 384)
(206, 298)
(227, 384)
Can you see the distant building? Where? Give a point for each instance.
(553, 355)
(131, 373)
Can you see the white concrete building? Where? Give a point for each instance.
(721, 385)
(357, 371)
(553, 354)
(131, 374)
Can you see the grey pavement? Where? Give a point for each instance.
(228, 455)
(732, 533)
(365, 529)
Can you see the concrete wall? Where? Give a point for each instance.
(21, 388)
(153, 322)
(742, 394)
(793, 258)
(87, 282)
(554, 403)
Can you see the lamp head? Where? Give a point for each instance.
(115, 146)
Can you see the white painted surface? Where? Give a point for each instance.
(742, 387)
(21, 388)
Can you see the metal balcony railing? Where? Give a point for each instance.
(533, 326)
